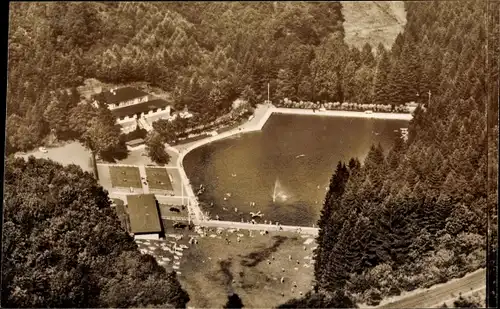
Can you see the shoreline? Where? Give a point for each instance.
(261, 115)
(254, 124)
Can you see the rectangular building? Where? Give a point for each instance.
(133, 107)
(144, 216)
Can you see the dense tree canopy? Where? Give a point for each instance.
(206, 55)
(63, 246)
(416, 216)
(405, 218)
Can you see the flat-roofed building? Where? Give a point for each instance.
(144, 216)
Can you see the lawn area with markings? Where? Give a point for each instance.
(125, 176)
(158, 179)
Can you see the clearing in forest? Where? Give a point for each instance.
(373, 22)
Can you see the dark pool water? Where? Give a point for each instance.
(284, 168)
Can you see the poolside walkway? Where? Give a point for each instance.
(312, 231)
(256, 123)
(142, 172)
(339, 113)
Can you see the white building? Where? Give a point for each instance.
(133, 108)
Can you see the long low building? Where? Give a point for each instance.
(133, 107)
(144, 216)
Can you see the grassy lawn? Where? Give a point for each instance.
(158, 179)
(252, 268)
(125, 176)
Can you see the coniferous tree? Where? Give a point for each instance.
(395, 84)
(411, 73)
(367, 57)
(381, 89)
(335, 192)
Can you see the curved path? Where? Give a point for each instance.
(255, 123)
(261, 115)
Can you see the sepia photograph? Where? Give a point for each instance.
(239, 154)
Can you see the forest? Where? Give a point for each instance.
(418, 215)
(392, 223)
(205, 55)
(63, 245)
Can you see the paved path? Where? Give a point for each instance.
(261, 114)
(125, 165)
(175, 218)
(260, 227)
(142, 172)
(350, 114)
(436, 295)
(171, 196)
(255, 123)
(449, 302)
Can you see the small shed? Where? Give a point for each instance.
(144, 216)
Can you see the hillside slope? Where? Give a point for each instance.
(373, 22)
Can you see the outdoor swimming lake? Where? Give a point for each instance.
(282, 170)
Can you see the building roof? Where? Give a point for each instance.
(121, 95)
(135, 142)
(143, 214)
(139, 108)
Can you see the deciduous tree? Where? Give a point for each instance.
(155, 148)
(63, 245)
